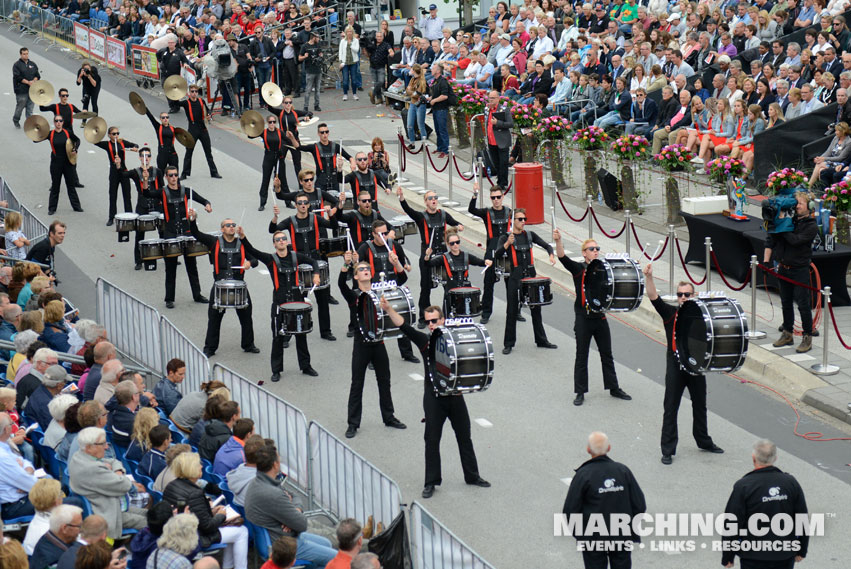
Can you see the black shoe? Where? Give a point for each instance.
(371, 366)
(79, 185)
(51, 211)
(351, 432)
(310, 371)
(667, 459)
(480, 482)
(620, 394)
(252, 350)
(547, 345)
(421, 324)
(484, 320)
(209, 353)
(715, 449)
(396, 424)
(328, 336)
(169, 304)
(332, 300)
(261, 208)
(201, 299)
(521, 318)
(411, 358)
(286, 344)
(506, 350)
(109, 222)
(78, 209)
(138, 266)
(17, 124)
(580, 399)
(276, 376)
(184, 176)
(428, 491)
(317, 109)
(350, 333)
(216, 175)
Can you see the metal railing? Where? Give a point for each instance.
(71, 358)
(175, 345)
(31, 226)
(132, 325)
(435, 547)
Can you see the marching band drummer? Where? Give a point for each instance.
(678, 379)
(288, 118)
(363, 178)
(324, 155)
(198, 116)
(496, 219)
(115, 147)
(456, 262)
(273, 157)
(283, 270)
(166, 154)
(144, 177)
(60, 165)
(587, 325)
(517, 246)
(230, 261)
(359, 220)
(175, 203)
(439, 408)
(364, 352)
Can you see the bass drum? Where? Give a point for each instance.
(710, 334)
(375, 324)
(612, 285)
(461, 359)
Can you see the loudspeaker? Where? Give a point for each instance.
(611, 188)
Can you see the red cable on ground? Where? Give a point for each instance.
(723, 278)
(457, 169)
(688, 274)
(606, 233)
(436, 169)
(836, 328)
(568, 213)
(643, 252)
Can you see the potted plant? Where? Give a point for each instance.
(630, 147)
(673, 157)
(838, 198)
(785, 179)
(526, 119)
(556, 129)
(590, 138)
(723, 167)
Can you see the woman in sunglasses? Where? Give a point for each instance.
(677, 379)
(456, 264)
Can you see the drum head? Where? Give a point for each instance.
(460, 359)
(297, 307)
(597, 286)
(368, 316)
(710, 335)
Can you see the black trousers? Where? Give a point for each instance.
(214, 325)
(791, 295)
(424, 300)
(499, 159)
(487, 291)
(93, 98)
(271, 160)
(115, 179)
(289, 70)
(278, 346)
(437, 410)
(201, 135)
(171, 276)
(362, 355)
(323, 297)
(167, 157)
(295, 155)
(59, 169)
(512, 301)
(584, 329)
(677, 381)
(766, 564)
(607, 559)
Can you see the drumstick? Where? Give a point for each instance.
(386, 246)
(430, 241)
(241, 217)
(656, 252)
(349, 239)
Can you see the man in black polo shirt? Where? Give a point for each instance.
(42, 252)
(379, 54)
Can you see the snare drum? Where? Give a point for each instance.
(502, 267)
(463, 301)
(375, 324)
(710, 334)
(612, 285)
(125, 222)
(294, 318)
(535, 291)
(332, 246)
(173, 247)
(159, 221)
(230, 294)
(438, 275)
(192, 247)
(324, 275)
(305, 276)
(403, 225)
(150, 249)
(146, 222)
(461, 359)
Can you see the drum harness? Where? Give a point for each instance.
(149, 203)
(450, 264)
(171, 200)
(364, 225)
(527, 249)
(304, 233)
(326, 159)
(429, 224)
(281, 269)
(371, 187)
(382, 256)
(229, 250)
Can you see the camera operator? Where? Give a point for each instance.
(380, 53)
(793, 253)
(244, 77)
(89, 78)
(221, 63)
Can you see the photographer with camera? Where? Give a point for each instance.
(244, 77)
(89, 78)
(380, 53)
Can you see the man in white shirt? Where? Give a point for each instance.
(16, 476)
(808, 102)
(680, 66)
(562, 84)
(544, 45)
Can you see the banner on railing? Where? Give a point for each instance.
(116, 53)
(276, 419)
(81, 37)
(435, 547)
(189, 75)
(97, 45)
(145, 62)
(346, 484)
(176, 345)
(132, 326)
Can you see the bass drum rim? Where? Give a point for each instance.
(374, 297)
(697, 309)
(489, 358)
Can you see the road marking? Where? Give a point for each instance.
(416, 376)
(770, 347)
(482, 422)
(567, 480)
(263, 271)
(416, 188)
(406, 184)
(799, 357)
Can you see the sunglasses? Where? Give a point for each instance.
(523, 219)
(63, 94)
(307, 180)
(276, 239)
(302, 202)
(171, 175)
(324, 131)
(361, 159)
(432, 198)
(272, 122)
(163, 117)
(431, 320)
(193, 92)
(684, 294)
(114, 133)
(288, 102)
(363, 269)
(365, 201)
(591, 249)
(58, 121)
(229, 225)
(496, 197)
(455, 242)
(382, 233)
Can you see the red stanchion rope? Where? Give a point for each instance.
(644, 252)
(436, 169)
(606, 233)
(688, 274)
(457, 169)
(723, 278)
(797, 329)
(488, 176)
(836, 328)
(584, 215)
(787, 279)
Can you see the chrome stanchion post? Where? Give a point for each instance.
(628, 220)
(401, 140)
(425, 166)
(672, 291)
(479, 162)
(449, 167)
(708, 244)
(825, 368)
(753, 333)
(588, 202)
(513, 189)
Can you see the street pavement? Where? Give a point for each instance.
(529, 438)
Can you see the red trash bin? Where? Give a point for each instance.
(529, 190)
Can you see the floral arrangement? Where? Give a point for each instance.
(838, 197)
(473, 101)
(554, 128)
(525, 116)
(590, 138)
(673, 157)
(723, 167)
(630, 146)
(784, 179)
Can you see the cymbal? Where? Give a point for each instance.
(184, 138)
(175, 88)
(310, 121)
(251, 123)
(95, 130)
(41, 92)
(85, 115)
(36, 128)
(272, 94)
(137, 103)
(69, 150)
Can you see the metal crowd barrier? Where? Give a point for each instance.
(345, 484)
(275, 418)
(32, 226)
(132, 325)
(435, 547)
(71, 358)
(175, 345)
